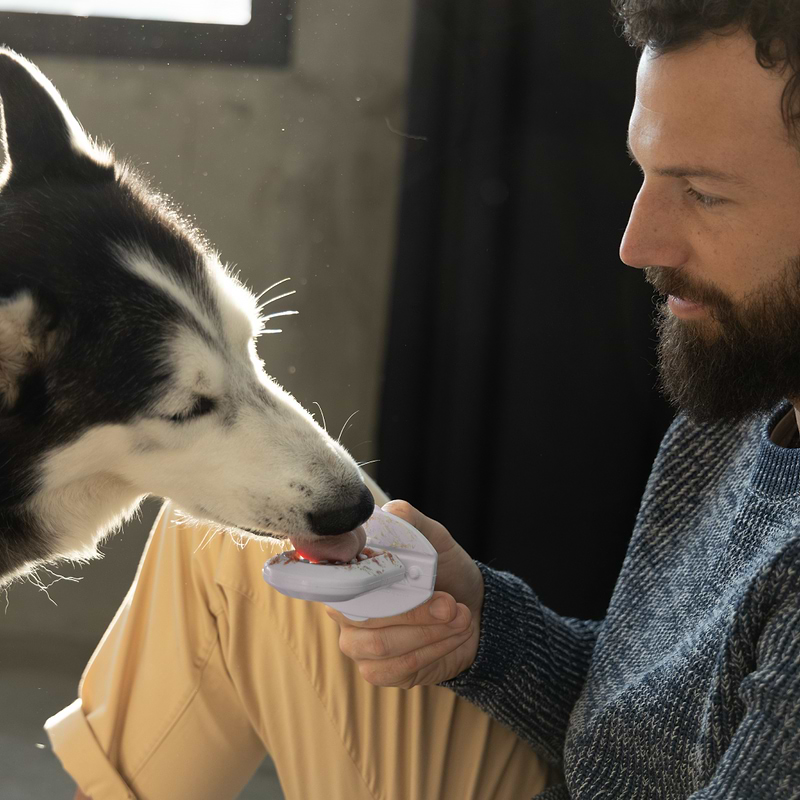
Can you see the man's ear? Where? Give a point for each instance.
(39, 134)
(26, 337)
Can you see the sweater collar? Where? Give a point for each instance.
(776, 472)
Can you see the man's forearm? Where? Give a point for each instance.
(79, 795)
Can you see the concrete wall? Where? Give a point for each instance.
(291, 173)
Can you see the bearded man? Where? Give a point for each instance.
(690, 686)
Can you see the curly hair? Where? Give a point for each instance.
(664, 26)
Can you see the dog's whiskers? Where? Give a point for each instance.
(324, 424)
(339, 438)
(277, 297)
(262, 320)
(270, 288)
(367, 463)
(278, 314)
(239, 538)
(209, 534)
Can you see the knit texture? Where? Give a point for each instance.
(690, 687)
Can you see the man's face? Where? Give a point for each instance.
(716, 226)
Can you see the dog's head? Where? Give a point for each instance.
(127, 360)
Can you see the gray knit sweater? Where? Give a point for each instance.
(690, 687)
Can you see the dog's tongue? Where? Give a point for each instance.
(341, 547)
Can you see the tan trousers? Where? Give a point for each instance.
(205, 669)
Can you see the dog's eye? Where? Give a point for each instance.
(202, 406)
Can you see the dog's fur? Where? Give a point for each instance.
(127, 359)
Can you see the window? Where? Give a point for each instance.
(230, 12)
(233, 31)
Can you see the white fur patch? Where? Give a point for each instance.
(237, 304)
(198, 370)
(145, 264)
(82, 499)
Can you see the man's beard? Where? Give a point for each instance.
(739, 360)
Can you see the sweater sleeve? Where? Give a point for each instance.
(762, 762)
(531, 664)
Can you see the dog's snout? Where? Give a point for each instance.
(342, 518)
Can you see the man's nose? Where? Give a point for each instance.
(654, 235)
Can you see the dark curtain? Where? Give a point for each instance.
(519, 405)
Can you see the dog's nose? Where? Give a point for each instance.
(341, 519)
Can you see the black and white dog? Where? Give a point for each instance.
(128, 365)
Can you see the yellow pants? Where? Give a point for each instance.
(205, 669)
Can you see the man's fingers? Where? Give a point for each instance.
(385, 643)
(441, 607)
(407, 669)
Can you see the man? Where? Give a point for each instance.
(690, 687)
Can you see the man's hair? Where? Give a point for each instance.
(664, 26)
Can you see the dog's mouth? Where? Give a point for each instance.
(337, 547)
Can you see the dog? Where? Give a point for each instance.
(128, 364)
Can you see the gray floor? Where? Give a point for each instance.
(43, 650)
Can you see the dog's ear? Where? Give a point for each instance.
(26, 336)
(39, 134)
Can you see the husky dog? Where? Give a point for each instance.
(128, 365)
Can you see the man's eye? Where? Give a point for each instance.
(201, 407)
(704, 199)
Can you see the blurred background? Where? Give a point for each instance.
(446, 185)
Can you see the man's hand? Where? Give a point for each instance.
(420, 647)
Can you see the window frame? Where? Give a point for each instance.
(265, 40)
